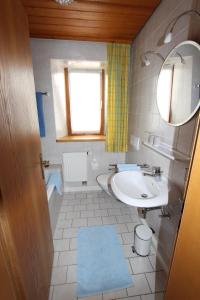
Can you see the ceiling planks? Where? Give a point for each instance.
(92, 20)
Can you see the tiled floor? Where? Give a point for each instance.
(94, 209)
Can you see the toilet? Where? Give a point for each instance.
(103, 181)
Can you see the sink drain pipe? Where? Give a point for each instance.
(164, 213)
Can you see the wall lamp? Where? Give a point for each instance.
(169, 35)
(145, 61)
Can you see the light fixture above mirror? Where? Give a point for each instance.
(169, 34)
(145, 60)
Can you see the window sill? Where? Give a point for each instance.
(81, 138)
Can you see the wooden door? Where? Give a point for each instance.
(24, 218)
(184, 279)
(7, 290)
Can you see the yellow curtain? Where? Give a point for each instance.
(118, 60)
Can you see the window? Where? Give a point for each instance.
(85, 101)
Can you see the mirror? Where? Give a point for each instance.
(178, 88)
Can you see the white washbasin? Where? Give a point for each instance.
(133, 188)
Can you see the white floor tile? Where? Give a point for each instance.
(157, 296)
(152, 250)
(140, 286)
(73, 244)
(95, 297)
(82, 222)
(106, 205)
(97, 209)
(73, 214)
(64, 224)
(50, 293)
(129, 266)
(74, 202)
(95, 221)
(126, 210)
(109, 220)
(92, 206)
(101, 212)
(118, 204)
(65, 292)
(70, 232)
(89, 201)
(91, 194)
(128, 238)
(67, 258)
(55, 259)
(87, 213)
(58, 234)
(135, 218)
(141, 265)
(156, 264)
(61, 245)
(114, 212)
(115, 295)
(66, 208)
(61, 216)
(59, 275)
(131, 226)
(80, 207)
(66, 203)
(157, 281)
(120, 238)
(128, 251)
(131, 298)
(80, 195)
(71, 274)
(121, 228)
(68, 196)
(124, 219)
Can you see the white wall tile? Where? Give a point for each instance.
(59, 275)
(144, 114)
(42, 52)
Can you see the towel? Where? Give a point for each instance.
(56, 180)
(39, 99)
(127, 167)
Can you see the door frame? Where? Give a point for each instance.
(181, 275)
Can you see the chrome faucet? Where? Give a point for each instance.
(154, 171)
(144, 166)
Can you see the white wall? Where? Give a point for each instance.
(144, 115)
(42, 52)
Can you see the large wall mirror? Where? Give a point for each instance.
(178, 89)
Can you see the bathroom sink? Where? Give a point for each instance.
(133, 188)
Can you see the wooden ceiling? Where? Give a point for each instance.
(89, 20)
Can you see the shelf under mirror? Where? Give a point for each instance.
(168, 152)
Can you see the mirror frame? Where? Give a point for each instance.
(198, 106)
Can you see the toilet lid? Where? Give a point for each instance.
(143, 232)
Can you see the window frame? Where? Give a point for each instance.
(68, 110)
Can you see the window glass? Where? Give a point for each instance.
(85, 101)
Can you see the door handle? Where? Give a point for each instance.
(41, 166)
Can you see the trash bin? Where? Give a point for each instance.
(142, 239)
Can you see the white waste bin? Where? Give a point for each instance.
(142, 239)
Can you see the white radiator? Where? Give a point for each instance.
(75, 166)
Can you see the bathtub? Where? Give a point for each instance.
(54, 199)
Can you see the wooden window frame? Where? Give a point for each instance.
(68, 109)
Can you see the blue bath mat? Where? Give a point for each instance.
(101, 263)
